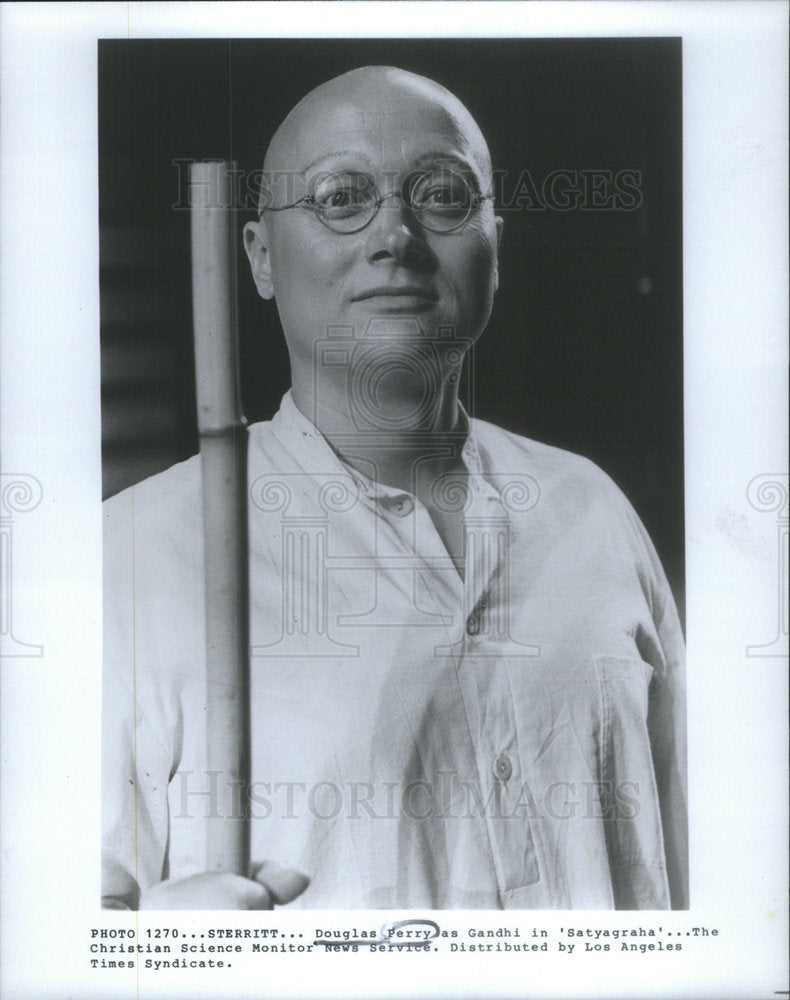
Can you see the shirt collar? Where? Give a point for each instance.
(312, 450)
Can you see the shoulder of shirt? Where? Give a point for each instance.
(159, 499)
(567, 486)
(505, 452)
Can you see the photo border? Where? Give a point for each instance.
(735, 288)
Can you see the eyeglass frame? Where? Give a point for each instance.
(308, 201)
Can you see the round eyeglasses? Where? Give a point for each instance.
(346, 201)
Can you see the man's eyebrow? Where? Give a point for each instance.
(443, 156)
(338, 154)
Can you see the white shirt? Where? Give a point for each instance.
(515, 739)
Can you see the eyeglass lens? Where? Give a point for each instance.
(347, 200)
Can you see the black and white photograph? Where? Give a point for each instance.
(410, 437)
(466, 673)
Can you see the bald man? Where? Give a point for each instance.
(466, 664)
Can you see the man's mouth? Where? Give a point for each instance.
(397, 293)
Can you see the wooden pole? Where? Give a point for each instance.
(223, 451)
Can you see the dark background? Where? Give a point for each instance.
(584, 349)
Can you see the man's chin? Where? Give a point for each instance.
(395, 326)
(431, 326)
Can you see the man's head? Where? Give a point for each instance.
(384, 126)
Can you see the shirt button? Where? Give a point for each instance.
(403, 506)
(502, 767)
(472, 625)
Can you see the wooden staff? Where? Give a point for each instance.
(223, 451)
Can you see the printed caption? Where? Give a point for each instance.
(168, 949)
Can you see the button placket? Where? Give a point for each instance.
(474, 621)
(485, 520)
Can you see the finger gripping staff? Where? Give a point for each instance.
(282, 884)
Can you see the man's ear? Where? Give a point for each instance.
(256, 244)
(499, 222)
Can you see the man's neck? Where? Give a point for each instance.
(405, 443)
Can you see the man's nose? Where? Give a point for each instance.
(395, 234)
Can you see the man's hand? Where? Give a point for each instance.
(268, 887)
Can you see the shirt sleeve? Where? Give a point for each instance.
(667, 718)
(135, 764)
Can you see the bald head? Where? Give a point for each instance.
(365, 144)
(366, 104)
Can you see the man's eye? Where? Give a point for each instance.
(443, 197)
(337, 199)
(440, 194)
(342, 194)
